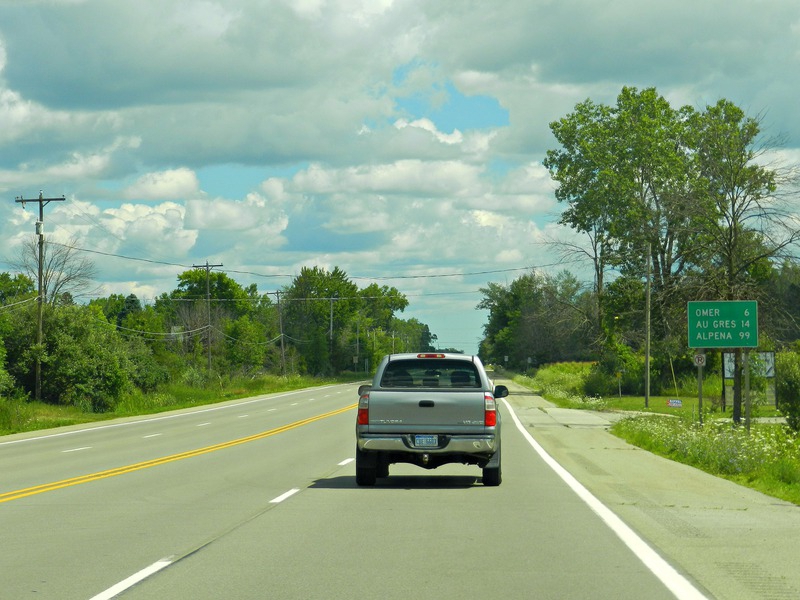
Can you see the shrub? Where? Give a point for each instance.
(620, 370)
(6, 380)
(86, 364)
(598, 383)
(787, 386)
(194, 377)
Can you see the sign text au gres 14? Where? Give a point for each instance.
(723, 324)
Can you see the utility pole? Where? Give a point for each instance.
(39, 300)
(335, 296)
(208, 268)
(280, 324)
(647, 330)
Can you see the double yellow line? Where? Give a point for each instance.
(56, 485)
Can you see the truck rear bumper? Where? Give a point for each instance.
(461, 444)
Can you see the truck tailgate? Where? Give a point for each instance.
(453, 411)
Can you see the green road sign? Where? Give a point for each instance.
(723, 324)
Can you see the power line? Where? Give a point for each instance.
(5, 306)
(147, 260)
(359, 277)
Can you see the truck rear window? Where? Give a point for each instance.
(430, 373)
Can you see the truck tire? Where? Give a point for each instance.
(366, 468)
(382, 467)
(492, 472)
(492, 476)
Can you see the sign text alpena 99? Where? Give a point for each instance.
(723, 324)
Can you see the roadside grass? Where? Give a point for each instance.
(767, 458)
(17, 416)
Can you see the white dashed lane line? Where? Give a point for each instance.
(284, 496)
(76, 449)
(128, 583)
(116, 590)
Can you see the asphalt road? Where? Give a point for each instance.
(257, 499)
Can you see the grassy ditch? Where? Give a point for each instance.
(767, 458)
(18, 416)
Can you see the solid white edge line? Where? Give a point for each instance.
(284, 496)
(666, 573)
(132, 580)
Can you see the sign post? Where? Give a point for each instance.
(700, 362)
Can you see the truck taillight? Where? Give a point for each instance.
(363, 410)
(490, 411)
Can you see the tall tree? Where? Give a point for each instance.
(750, 224)
(584, 167)
(64, 269)
(226, 293)
(16, 288)
(625, 172)
(318, 305)
(538, 318)
(381, 303)
(687, 192)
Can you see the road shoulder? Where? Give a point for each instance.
(736, 542)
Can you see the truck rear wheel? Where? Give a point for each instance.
(382, 467)
(492, 477)
(492, 472)
(366, 468)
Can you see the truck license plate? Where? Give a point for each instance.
(426, 441)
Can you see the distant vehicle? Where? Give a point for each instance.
(428, 409)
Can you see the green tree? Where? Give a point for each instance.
(779, 310)
(6, 380)
(682, 194)
(750, 225)
(87, 363)
(319, 305)
(538, 317)
(247, 345)
(117, 307)
(381, 304)
(585, 169)
(15, 289)
(226, 294)
(626, 175)
(199, 308)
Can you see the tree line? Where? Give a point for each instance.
(209, 326)
(674, 204)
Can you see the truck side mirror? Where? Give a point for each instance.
(500, 391)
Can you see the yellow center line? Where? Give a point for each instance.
(48, 487)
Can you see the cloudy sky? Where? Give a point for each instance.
(400, 140)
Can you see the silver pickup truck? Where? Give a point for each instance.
(428, 410)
